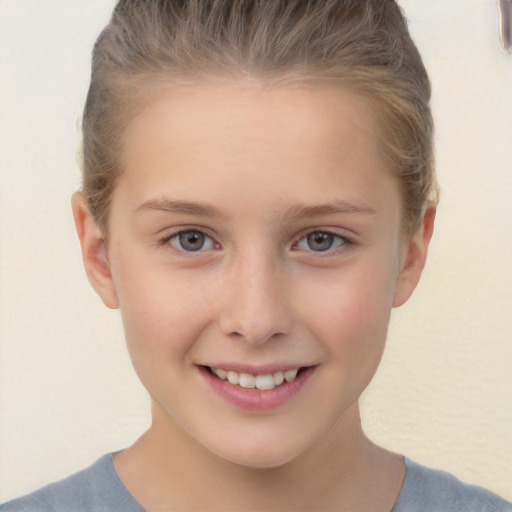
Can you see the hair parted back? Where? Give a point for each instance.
(361, 44)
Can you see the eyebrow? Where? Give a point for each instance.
(335, 207)
(293, 213)
(180, 206)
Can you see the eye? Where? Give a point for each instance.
(191, 240)
(321, 241)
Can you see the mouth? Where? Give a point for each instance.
(262, 382)
(264, 389)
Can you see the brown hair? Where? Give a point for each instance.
(363, 44)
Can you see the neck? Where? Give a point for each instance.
(343, 470)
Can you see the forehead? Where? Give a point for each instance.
(314, 112)
(246, 135)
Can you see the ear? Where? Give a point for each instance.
(414, 255)
(94, 251)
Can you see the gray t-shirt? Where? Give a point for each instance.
(99, 489)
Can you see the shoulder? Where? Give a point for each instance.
(97, 488)
(430, 490)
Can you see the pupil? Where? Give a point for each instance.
(320, 241)
(192, 241)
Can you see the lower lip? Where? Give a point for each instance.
(255, 399)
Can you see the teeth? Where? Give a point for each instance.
(290, 375)
(222, 374)
(247, 381)
(278, 378)
(233, 377)
(261, 382)
(265, 382)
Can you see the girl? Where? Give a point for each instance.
(258, 194)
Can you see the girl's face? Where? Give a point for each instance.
(254, 233)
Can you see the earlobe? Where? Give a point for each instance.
(94, 251)
(413, 261)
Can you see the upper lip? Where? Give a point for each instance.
(257, 369)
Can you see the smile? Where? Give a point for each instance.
(262, 382)
(260, 390)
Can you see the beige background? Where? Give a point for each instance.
(67, 391)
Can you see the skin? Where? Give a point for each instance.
(259, 170)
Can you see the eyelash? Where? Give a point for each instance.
(344, 243)
(167, 240)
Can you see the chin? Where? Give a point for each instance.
(257, 456)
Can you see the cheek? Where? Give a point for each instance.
(162, 309)
(350, 309)
(162, 319)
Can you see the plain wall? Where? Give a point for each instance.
(67, 391)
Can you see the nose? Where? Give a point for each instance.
(253, 300)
